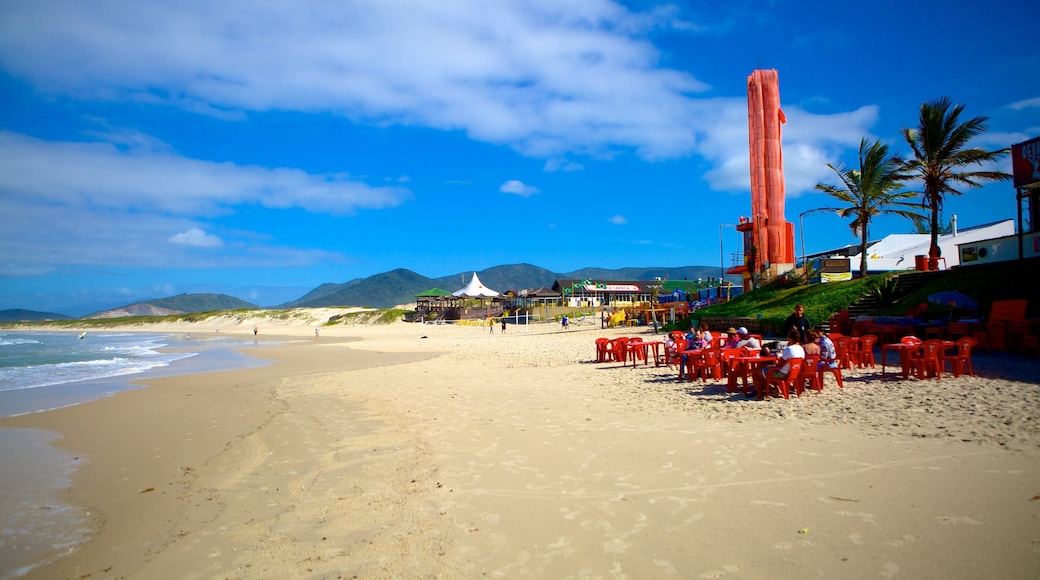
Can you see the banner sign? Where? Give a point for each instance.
(1025, 163)
(611, 288)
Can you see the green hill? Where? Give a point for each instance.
(180, 304)
(202, 303)
(20, 315)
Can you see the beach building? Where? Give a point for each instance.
(1025, 164)
(910, 251)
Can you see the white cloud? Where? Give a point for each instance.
(38, 238)
(618, 220)
(560, 164)
(542, 76)
(809, 142)
(517, 187)
(101, 175)
(197, 238)
(1025, 104)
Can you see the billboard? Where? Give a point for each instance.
(832, 270)
(1025, 163)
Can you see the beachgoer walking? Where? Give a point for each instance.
(315, 333)
(503, 324)
(564, 322)
(255, 330)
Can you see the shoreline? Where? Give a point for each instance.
(462, 454)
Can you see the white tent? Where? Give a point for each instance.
(475, 289)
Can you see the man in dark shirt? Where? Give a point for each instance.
(798, 321)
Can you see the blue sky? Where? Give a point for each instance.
(262, 148)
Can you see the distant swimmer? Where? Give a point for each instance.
(81, 335)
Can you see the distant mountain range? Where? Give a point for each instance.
(401, 286)
(19, 315)
(382, 290)
(180, 304)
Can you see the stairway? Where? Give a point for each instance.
(905, 284)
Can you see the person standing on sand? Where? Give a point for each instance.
(315, 333)
(799, 322)
(255, 330)
(503, 324)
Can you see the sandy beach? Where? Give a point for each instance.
(411, 451)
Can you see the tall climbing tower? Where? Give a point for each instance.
(768, 237)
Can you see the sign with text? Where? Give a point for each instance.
(1025, 163)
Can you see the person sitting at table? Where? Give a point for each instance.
(747, 340)
(780, 370)
(731, 338)
(704, 335)
(811, 346)
(828, 355)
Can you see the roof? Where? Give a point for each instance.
(433, 293)
(475, 289)
(540, 292)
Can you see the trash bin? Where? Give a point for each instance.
(921, 263)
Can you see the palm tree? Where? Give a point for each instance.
(941, 156)
(873, 189)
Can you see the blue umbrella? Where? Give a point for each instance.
(953, 300)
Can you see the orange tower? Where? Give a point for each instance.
(768, 237)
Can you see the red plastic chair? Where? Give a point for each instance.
(866, 350)
(960, 361)
(928, 364)
(908, 357)
(792, 380)
(635, 351)
(616, 349)
(706, 364)
(601, 349)
(809, 378)
(836, 371)
(675, 357)
(841, 350)
(729, 363)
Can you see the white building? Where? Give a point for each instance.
(905, 251)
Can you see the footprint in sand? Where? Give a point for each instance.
(953, 520)
(726, 570)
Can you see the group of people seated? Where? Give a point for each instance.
(801, 340)
(701, 337)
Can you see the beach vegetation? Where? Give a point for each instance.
(943, 162)
(775, 301)
(373, 316)
(873, 189)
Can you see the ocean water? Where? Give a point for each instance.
(48, 370)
